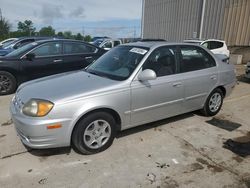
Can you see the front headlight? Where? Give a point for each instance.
(37, 108)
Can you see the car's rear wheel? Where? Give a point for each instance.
(213, 103)
(7, 83)
(94, 133)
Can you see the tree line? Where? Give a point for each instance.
(27, 28)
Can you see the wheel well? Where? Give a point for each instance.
(108, 110)
(223, 90)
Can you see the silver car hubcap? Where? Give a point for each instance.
(97, 134)
(215, 102)
(4, 84)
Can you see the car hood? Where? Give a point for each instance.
(64, 87)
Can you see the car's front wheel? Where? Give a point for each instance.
(213, 103)
(7, 83)
(94, 133)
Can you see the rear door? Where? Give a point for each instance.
(48, 60)
(78, 55)
(199, 73)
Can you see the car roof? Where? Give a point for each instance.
(56, 39)
(153, 44)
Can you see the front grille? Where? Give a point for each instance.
(18, 102)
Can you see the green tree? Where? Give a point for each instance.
(87, 38)
(60, 34)
(4, 28)
(79, 36)
(67, 34)
(26, 27)
(47, 31)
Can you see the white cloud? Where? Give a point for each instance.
(91, 10)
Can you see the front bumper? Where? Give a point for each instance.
(33, 132)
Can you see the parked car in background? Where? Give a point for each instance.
(132, 84)
(247, 75)
(96, 38)
(19, 43)
(44, 58)
(7, 41)
(107, 44)
(216, 46)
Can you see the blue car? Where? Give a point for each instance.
(9, 47)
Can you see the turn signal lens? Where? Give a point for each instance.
(44, 108)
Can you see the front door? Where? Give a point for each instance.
(160, 98)
(47, 61)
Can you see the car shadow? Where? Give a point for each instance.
(242, 78)
(152, 125)
(49, 152)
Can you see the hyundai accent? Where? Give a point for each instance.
(132, 84)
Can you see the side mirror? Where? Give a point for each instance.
(30, 56)
(147, 74)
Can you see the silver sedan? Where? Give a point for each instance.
(131, 85)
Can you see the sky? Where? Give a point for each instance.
(113, 18)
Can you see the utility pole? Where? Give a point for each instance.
(1, 16)
(134, 32)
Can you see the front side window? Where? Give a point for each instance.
(162, 61)
(107, 45)
(48, 49)
(193, 58)
(77, 48)
(119, 63)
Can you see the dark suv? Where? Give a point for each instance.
(44, 58)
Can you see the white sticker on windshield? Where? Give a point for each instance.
(34, 43)
(138, 51)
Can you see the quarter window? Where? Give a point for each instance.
(77, 48)
(49, 49)
(193, 58)
(162, 61)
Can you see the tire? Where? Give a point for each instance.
(8, 83)
(94, 133)
(212, 107)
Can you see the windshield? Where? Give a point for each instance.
(7, 44)
(193, 42)
(119, 63)
(21, 50)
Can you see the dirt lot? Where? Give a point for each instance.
(184, 151)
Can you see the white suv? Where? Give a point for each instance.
(216, 46)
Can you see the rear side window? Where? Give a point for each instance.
(77, 48)
(213, 45)
(193, 58)
(116, 43)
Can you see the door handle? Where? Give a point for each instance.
(214, 77)
(177, 84)
(89, 57)
(57, 60)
